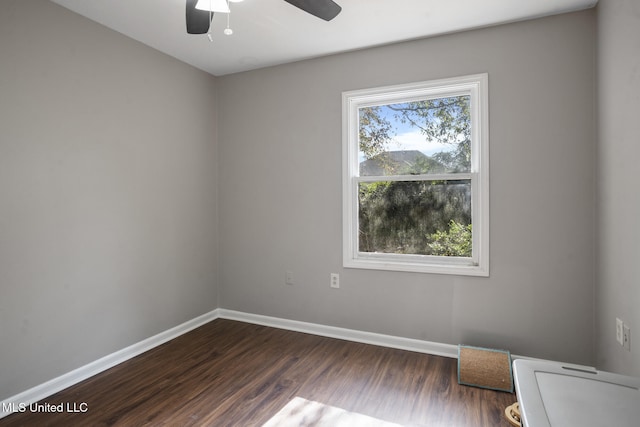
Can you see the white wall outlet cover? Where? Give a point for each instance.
(626, 337)
(619, 331)
(335, 280)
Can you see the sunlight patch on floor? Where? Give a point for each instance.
(300, 412)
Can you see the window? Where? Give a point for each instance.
(415, 177)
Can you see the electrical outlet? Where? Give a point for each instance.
(620, 332)
(335, 280)
(289, 278)
(627, 337)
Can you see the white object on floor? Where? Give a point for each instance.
(552, 394)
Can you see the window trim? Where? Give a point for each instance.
(475, 85)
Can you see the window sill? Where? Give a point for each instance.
(420, 264)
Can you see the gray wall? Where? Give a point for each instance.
(280, 205)
(618, 292)
(108, 193)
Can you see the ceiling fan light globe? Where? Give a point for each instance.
(218, 6)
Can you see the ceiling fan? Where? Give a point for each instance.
(198, 20)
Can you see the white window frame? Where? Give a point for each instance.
(477, 87)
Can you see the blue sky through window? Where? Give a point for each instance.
(406, 136)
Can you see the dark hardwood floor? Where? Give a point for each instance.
(229, 373)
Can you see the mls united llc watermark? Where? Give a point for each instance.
(66, 407)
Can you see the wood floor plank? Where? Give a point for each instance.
(229, 373)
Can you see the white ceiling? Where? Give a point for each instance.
(270, 32)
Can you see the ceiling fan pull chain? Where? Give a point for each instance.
(228, 31)
(209, 34)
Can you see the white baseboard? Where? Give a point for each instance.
(55, 385)
(438, 349)
(409, 344)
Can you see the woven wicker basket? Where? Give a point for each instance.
(513, 415)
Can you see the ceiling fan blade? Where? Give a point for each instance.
(198, 21)
(323, 9)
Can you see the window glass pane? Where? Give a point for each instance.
(411, 138)
(415, 217)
